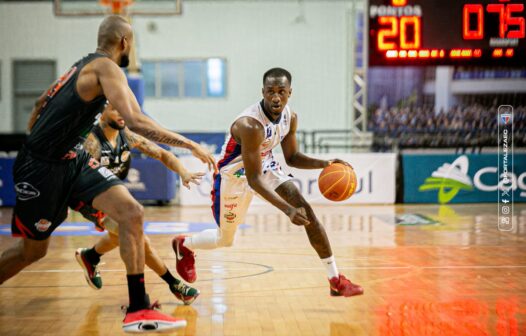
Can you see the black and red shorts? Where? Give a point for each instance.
(45, 189)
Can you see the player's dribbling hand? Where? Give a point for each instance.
(188, 177)
(340, 161)
(205, 156)
(298, 216)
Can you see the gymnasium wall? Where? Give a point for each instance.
(311, 39)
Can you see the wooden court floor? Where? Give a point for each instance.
(459, 276)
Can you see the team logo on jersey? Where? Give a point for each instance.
(231, 206)
(59, 83)
(239, 173)
(230, 216)
(43, 225)
(105, 161)
(269, 132)
(26, 191)
(125, 156)
(108, 174)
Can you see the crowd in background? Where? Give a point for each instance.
(472, 126)
(470, 73)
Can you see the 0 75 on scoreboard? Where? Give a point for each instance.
(447, 32)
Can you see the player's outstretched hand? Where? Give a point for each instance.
(298, 216)
(340, 161)
(189, 177)
(205, 156)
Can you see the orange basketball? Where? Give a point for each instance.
(337, 182)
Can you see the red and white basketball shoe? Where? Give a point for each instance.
(184, 260)
(148, 320)
(341, 286)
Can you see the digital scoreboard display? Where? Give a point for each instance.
(447, 32)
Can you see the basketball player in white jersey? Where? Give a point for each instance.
(248, 167)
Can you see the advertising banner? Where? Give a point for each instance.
(149, 179)
(375, 173)
(470, 178)
(7, 186)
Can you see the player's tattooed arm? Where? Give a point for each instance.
(177, 140)
(119, 94)
(144, 145)
(168, 159)
(294, 157)
(92, 146)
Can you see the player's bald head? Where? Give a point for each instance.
(112, 29)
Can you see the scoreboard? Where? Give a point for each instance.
(447, 32)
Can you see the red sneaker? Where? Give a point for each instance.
(184, 260)
(148, 320)
(341, 286)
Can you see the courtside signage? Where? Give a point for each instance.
(375, 173)
(468, 178)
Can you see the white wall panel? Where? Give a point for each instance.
(252, 36)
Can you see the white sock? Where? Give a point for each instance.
(330, 266)
(204, 240)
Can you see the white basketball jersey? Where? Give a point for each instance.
(231, 160)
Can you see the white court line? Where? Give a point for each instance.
(309, 268)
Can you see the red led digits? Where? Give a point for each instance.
(469, 34)
(398, 3)
(515, 21)
(497, 53)
(506, 19)
(499, 8)
(392, 31)
(405, 42)
(403, 33)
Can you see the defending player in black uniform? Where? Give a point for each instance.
(53, 170)
(110, 142)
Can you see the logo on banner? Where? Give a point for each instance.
(449, 180)
(134, 181)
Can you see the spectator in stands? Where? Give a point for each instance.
(460, 126)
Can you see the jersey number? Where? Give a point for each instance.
(59, 84)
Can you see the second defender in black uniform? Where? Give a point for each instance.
(110, 142)
(53, 170)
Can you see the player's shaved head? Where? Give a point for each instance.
(112, 29)
(115, 39)
(277, 73)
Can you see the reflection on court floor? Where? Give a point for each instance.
(426, 270)
(88, 229)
